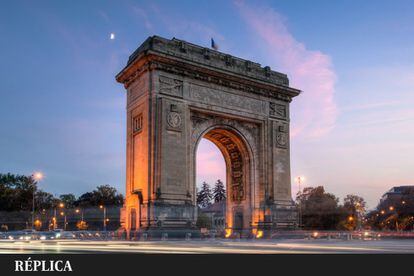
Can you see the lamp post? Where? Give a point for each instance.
(393, 209)
(299, 179)
(61, 205)
(77, 211)
(64, 220)
(104, 216)
(37, 176)
(358, 216)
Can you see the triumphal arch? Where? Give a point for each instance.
(178, 93)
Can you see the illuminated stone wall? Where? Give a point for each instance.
(178, 93)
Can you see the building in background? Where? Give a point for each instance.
(216, 213)
(396, 196)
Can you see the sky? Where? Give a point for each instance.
(62, 112)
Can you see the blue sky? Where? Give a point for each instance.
(62, 112)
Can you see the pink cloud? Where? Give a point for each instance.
(314, 111)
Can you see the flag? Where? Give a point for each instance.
(214, 45)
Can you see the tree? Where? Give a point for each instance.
(355, 204)
(44, 200)
(68, 200)
(320, 210)
(16, 192)
(108, 195)
(102, 195)
(6, 191)
(219, 192)
(204, 196)
(86, 200)
(355, 208)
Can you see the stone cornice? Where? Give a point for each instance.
(179, 57)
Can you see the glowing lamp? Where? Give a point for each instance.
(38, 176)
(259, 234)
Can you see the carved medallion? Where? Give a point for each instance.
(174, 119)
(282, 136)
(281, 139)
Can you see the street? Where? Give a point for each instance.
(210, 246)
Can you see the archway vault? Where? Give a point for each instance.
(235, 155)
(238, 142)
(179, 92)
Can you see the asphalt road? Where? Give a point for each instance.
(210, 246)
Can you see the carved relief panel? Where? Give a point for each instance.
(172, 87)
(277, 110)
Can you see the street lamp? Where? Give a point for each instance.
(104, 216)
(300, 179)
(77, 211)
(60, 205)
(64, 216)
(37, 176)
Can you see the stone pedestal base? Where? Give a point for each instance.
(161, 220)
(284, 216)
(164, 234)
(164, 215)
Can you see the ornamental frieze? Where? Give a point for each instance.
(172, 87)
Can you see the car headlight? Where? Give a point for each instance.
(11, 238)
(58, 235)
(43, 238)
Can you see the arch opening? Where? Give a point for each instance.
(237, 210)
(210, 163)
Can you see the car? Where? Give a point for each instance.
(47, 235)
(61, 234)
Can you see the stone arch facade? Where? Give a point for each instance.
(178, 93)
(237, 142)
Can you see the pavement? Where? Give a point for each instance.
(401, 246)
